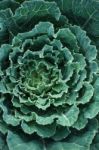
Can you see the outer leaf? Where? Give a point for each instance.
(92, 110)
(87, 95)
(84, 42)
(4, 52)
(38, 8)
(69, 118)
(61, 133)
(81, 122)
(16, 142)
(95, 145)
(64, 146)
(85, 138)
(43, 131)
(84, 13)
(67, 37)
(96, 87)
(3, 144)
(8, 3)
(29, 11)
(3, 127)
(40, 28)
(4, 5)
(8, 118)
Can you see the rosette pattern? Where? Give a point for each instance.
(48, 82)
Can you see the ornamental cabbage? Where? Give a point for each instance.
(49, 75)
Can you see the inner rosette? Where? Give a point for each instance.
(49, 76)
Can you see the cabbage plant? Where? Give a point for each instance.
(49, 75)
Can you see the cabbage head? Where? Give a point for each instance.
(49, 74)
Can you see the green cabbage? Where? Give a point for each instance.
(49, 75)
